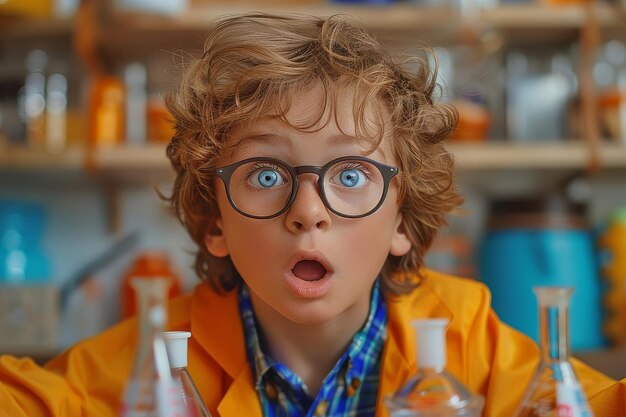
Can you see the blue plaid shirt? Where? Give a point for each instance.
(349, 390)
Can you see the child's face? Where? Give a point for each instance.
(308, 265)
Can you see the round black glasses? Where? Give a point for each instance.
(263, 188)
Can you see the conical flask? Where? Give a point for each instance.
(150, 391)
(433, 392)
(176, 342)
(554, 389)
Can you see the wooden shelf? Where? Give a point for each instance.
(139, 158)
(490, 156)
(399, 17)
(138, 161)
(534, 17)
(564, 155)
(20, 28)
(396, 21)
(134, 163)
(400, 22)
(13, 158)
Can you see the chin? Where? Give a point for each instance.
(311, 315)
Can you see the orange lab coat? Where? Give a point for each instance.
(486, 355)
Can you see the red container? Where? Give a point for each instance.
(148, 264)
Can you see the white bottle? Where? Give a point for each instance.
(135, 78)
(433, 392)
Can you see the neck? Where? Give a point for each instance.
(309, 350)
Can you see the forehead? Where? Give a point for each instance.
(341, 115)
(343, 104)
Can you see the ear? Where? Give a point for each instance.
(400, 243)
(215, 241)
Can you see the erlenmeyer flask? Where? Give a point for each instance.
(554, 389)
(176, 342)
(433, 392)
(150, 391)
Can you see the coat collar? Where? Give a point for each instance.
(217, 329)
(216, 326)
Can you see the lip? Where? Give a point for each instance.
(309, 289)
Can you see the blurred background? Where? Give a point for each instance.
(540, 152)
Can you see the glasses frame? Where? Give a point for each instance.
(387, 171)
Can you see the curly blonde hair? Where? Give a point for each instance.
(252, 65)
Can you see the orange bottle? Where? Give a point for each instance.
(147, 264)
(106, 111)
(474, 122)
(160, 121)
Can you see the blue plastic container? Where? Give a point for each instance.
(542, 243)
(22, 259)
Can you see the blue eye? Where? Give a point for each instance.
(352, 178)
(267, 178)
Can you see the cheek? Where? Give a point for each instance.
(242, 233)
(246, 238)
(370, 242)
(382, 226)
(249, 246)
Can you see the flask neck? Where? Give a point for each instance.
(151, 299)
(554, 332)
(431, 370)
(151, 324)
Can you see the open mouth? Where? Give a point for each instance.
(309, 270)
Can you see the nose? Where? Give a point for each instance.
(308, 211)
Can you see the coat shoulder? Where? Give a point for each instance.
(454, 286)
(447, 296)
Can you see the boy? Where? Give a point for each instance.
(311, 174)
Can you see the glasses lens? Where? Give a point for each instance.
(353, 187)
(260, 188)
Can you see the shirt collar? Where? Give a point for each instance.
(260, 362)
(366, 343)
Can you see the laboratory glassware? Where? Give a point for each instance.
(433, 392)
(176, 343)
(554, 389)
(150, 391)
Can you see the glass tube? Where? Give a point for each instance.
(554, 389)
